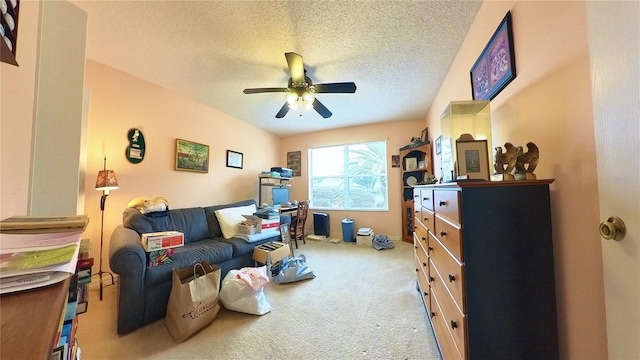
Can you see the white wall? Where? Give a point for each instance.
(59, 107)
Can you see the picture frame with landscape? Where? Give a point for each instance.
(191, 156)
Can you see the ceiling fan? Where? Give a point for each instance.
(301, 91)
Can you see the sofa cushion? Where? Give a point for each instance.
(229, 218)
(190, 221)
(214, 251)
(210, 212)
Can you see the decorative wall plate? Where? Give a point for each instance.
(411, 180)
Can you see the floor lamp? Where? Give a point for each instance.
(106, 181)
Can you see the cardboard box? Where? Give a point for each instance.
(270, 253)
(262, 225)
(365, 240)
(247, 228)
(162, 240)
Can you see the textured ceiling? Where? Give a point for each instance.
(397, 53)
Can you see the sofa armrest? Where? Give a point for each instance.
(128, 259)
(126, 252)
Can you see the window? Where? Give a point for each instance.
(349, 177)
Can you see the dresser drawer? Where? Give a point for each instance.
(445, 339)
(421, 236)
(426, 198)
(423, 284)
(454, 320)
(423, 259)
(451, 272)
(449, 235)
(428, 218)
(447, 204)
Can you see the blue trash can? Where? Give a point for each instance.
(347, 230)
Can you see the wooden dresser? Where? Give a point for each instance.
(484, 263)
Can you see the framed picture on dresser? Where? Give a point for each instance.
(472, 159)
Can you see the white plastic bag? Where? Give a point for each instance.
(242, 291)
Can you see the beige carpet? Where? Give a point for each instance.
(363, 304)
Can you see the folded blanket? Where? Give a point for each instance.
(256, 237)
(148, 205)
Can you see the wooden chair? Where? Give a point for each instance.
(298, 223)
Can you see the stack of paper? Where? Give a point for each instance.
(365, 231)
(36, 251)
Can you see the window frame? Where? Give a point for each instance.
(347, 178)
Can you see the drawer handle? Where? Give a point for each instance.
(417, 269)
(424, 264)
(425, 199)
(417, 211)
(415, 247)
(443, 203)
(426, 219)
(431, 279)
(452, 278)
(454, 325)
(425, 293)
(443, 233)
(424, 238)
(433, 314)
(430, 248)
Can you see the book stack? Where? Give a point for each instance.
(38, 251)
(83, 270)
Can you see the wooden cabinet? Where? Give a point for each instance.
(417, 166)
(489, 286)
(9, 30)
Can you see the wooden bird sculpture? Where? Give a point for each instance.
(527, 161)
(505, 162)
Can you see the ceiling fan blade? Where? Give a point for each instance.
(283, 111)
(263, 90)
(296, 66)
(345, 87)
(321, 109)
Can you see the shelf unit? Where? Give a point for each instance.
(411, 158)
(9, 31)
(267, 181)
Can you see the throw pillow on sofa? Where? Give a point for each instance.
(229, 218)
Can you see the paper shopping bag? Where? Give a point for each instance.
(193, 301)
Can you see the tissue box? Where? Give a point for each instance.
(365, 240)
(162, 240)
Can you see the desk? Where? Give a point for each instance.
(30, 321)
(288, 211)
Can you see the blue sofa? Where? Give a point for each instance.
(143, 291)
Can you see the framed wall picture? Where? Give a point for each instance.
(438, 145)
(424, 136)
(472, 159)
(395, 160)
(294, 162)
(192, 156)
(234, 159)
(496, 66)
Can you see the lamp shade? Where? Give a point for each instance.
(106, 180)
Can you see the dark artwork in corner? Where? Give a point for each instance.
(496, 66)
(294, 162)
